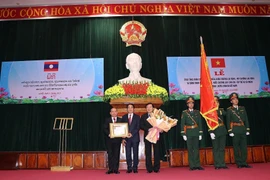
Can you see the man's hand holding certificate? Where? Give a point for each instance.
(119, 130)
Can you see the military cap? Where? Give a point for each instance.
(190, 99)
(233, 95)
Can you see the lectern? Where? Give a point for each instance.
(62, 125)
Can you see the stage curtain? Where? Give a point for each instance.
(28, 127)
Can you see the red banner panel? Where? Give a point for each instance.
(96, 10)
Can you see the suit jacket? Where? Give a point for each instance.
(221, 129)
(134, 127)
(145, 125)
(187, 120)
(237, 116)
(107, 130)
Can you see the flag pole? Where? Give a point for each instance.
(201, 39)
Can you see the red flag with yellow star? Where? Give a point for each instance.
(208, 106)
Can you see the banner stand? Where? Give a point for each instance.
(62, 125)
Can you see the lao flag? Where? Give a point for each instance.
(218, 62)
(51, 66)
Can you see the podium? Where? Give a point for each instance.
(62, 125)
(140, 108)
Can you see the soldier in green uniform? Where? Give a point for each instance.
(237, 123)
(218, 137)
(191, 130)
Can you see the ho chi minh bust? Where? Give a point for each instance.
(134, 65)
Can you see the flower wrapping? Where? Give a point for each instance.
(160, 122)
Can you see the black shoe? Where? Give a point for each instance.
(129, 171)
(247, 166)
(217, 168)
(192, 169)
(200, 168)
(149, 171)
(239, 166)
(116, 172)
(135, 171)
(109, 172)
(156, 171)
(224, 167)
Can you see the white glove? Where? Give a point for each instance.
(200, 137)
(247, 133)
(185, 138)
(212, 135)
(231, 134)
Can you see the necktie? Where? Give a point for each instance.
(129, 119)
(114, 120)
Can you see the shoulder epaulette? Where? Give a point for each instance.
(221, 108)
(185, 111)
(229, 107)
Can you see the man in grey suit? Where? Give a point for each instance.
(132, 141)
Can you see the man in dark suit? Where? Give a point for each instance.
(145, 125)
(113, 144)
(132, 141)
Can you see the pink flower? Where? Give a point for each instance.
(81, 97)
(171, 85)
(44, 97)
(4, 94)
(266, 83)
(193, 92)
(265, 89)
(2, 89)
(100, 86)
(98, 93)
(172, 91)
(250, 92)
(21, 96)
(216, 93)
(30, 97)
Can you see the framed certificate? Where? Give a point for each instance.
(118, 130)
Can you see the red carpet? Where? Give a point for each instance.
(259, 171)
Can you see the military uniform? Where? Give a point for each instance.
(191, 127)
(238, 125)
(220, 140)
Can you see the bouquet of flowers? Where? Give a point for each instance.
(160, 122)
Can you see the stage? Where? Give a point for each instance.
(259, 171)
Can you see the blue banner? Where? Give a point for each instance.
(52, 81)
(246, 75)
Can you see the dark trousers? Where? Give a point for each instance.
(148, 156)
(219, 151)
(193, 151)
(240, 149)
(135, 148)
(113, 155)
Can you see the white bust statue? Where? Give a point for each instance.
(134, 64)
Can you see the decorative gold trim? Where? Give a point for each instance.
(115, 131)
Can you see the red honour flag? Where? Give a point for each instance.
(208, 105)
(218, 62)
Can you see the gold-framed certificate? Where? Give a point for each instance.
(118, 130)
